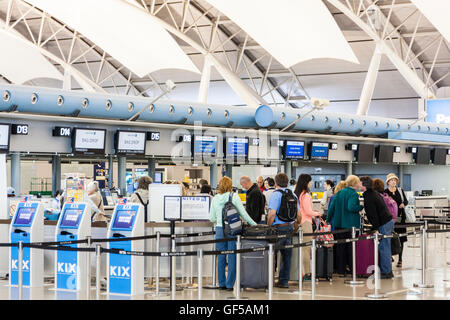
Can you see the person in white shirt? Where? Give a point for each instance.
(328, 186)
(270, 189)
(56, 202)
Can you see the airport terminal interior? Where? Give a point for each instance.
(136, 135)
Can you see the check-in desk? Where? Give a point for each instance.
(431, 206)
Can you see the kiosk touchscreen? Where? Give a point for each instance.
(70, 266)
(27, 226)
(126, 272)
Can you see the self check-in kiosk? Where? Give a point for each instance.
(126, 272)
(27, 226)
(70, 267)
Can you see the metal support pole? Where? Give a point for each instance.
(354, 282)
(200, 271)
(88, 268)
(423, 284)
(376, 294)
(158, 267)
(173, 272)
(313, 269)
(300, 264)
(214, 269)
(238, 273)
(98, 256)
(191, 266)
(20, 266)
(271, 253)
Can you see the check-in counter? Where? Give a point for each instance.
(431, 205)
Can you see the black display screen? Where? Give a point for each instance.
(440, 156)
(365, 153)
(385, 154)
(423, 155)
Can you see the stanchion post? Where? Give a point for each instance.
(376, 294)
(20, 267)
(98, 256)
(313, 269)
(271, 255)
(158, 259)
(88, 268)
(354, 282)
(214, 268)
(199, 273)
(173, 272)
(238, 272)
(300, 264)
(423, 284)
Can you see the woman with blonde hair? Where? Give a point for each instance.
(225, 194)
(344, 213)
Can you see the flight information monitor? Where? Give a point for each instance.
(71, 218)
(24, 216)
(88, 141)
(365, 153)
(439, 156)
(236, 147)
(385, 154)
(130, 142)
(124, 219)
(319, 151)
(205, 145)
(4, 138)
(423, 155)
(294, 149)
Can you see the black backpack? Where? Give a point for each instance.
(145, 206)
(288, 207)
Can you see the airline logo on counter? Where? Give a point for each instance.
(64, 267)
(119, 271)
(25, 264)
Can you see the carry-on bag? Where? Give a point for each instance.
(254, 265)
(395, 244)
(324, 263)
(364, 257)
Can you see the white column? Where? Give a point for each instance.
(369, 84)
(4, 214)
(204, 82)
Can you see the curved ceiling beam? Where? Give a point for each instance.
(410, 76)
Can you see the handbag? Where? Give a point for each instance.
(410, 214)
(322, 226)
(395, 244)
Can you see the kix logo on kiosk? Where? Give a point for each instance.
(126, 272)
(74, 224)
(27, 226)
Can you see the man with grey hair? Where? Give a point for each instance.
(255, 201)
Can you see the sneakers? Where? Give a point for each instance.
(281, 285)
(389, 275)
(307, 277)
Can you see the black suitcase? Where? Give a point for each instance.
(254, 265)
(324, 263)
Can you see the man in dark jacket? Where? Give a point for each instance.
(381, 220)
(255, 201)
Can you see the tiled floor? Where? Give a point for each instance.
(399, 288)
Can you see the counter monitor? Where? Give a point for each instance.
(124, 219)
(24, 216)
(439, 156)
(319, 151)
(130, 142)
(88, 141)
(385, 154)
(205, 145)
(365, 153)
(423, 155)
(71, 218)
(236, 147)
(294, 149)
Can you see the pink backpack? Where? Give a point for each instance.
(391, 205)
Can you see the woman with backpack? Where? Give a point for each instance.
(302, 189)
(141, 194)
(399, 196)
(224, 195)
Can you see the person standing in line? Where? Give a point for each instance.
(255, 201)
(341, 185)
(141, 194)
(96, 200)
(224, 193)
(275, 201)
(302, 191)
(399, 196)
(325, 202)
(270, 189)
(292, 184)
(381, 220)
(260, 183)
(344, 211)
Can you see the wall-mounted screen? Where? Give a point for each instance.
(88, 141)
(385, 154)
(319, 150)
(124, 219)
(236, 147)
(205, 145)
(71, 218)
(4, 138)
(294, 149)
(158, 177)
(195, 208)
(24, 216)
(423, 155)
(439, 156)
(130, 142)
(365, 153)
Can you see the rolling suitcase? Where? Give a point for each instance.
(324, 263)
(364, 257)
(254, 265)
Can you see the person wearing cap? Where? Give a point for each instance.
(381, 220)
(399, 196)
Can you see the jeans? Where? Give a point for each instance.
(384, 248)
(222, 261)
(285, 269)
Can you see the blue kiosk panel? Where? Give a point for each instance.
(120, 265)
(67, 261)
(23, 218)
